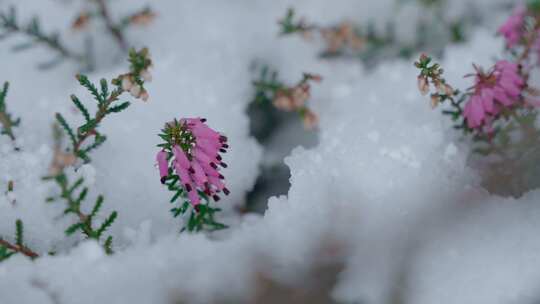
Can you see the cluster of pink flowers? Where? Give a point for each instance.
(514, 27)
(195, 158)
(493, 91)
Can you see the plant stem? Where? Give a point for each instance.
(50, 42)
(6, 123)
(101, 113)
(113, 29)
(19, 248)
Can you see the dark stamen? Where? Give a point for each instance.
(226, 191)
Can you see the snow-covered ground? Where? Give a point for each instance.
(387, 193)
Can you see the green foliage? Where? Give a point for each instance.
(6, 120)
(200, 218)
(290, 26)
(455, 99)
(74, 194)
(533, 6)
(266, 86)
(105, 100)
(8, 249)
(9, 25)
(63, 123)
(364, 42)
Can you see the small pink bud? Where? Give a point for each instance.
(163, 165)
(144, 95)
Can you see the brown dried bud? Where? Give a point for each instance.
(283, 102)
(60, 161)
(143, 18)
(81, 21)
(448, 90)
(423, 84)
(300, 95)
(144, 95)
(333, 39)
(310, 119)
(435, 99)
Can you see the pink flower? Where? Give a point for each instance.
(499, 88)
(196, 149)
(163, 165)
(513, 28)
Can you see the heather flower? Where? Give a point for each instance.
(144, 17)
(340, 37)
(423, 84)
(500, 88)
(193, 149)
(310, 119)
(513, 28)
(292, 99)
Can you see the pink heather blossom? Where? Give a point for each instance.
(513, 28)
(163, 166)
(493, 91)
(196, 160)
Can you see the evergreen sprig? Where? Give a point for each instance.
(74, 194)
(6, 119)
(107, 102)
(371, 46)
(431, 72)
(266, 86)
(272, 93)
(115, 28)
(289, 24)
(9, 25)
(8, 249)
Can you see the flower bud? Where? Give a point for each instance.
(448, 90)
(423, 85)
(144, 95)
(283, 102)
(310, 119)
(135, 91)
(435, 99)
(126, 83)
(146, 76)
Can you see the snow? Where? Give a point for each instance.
(387, 186)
